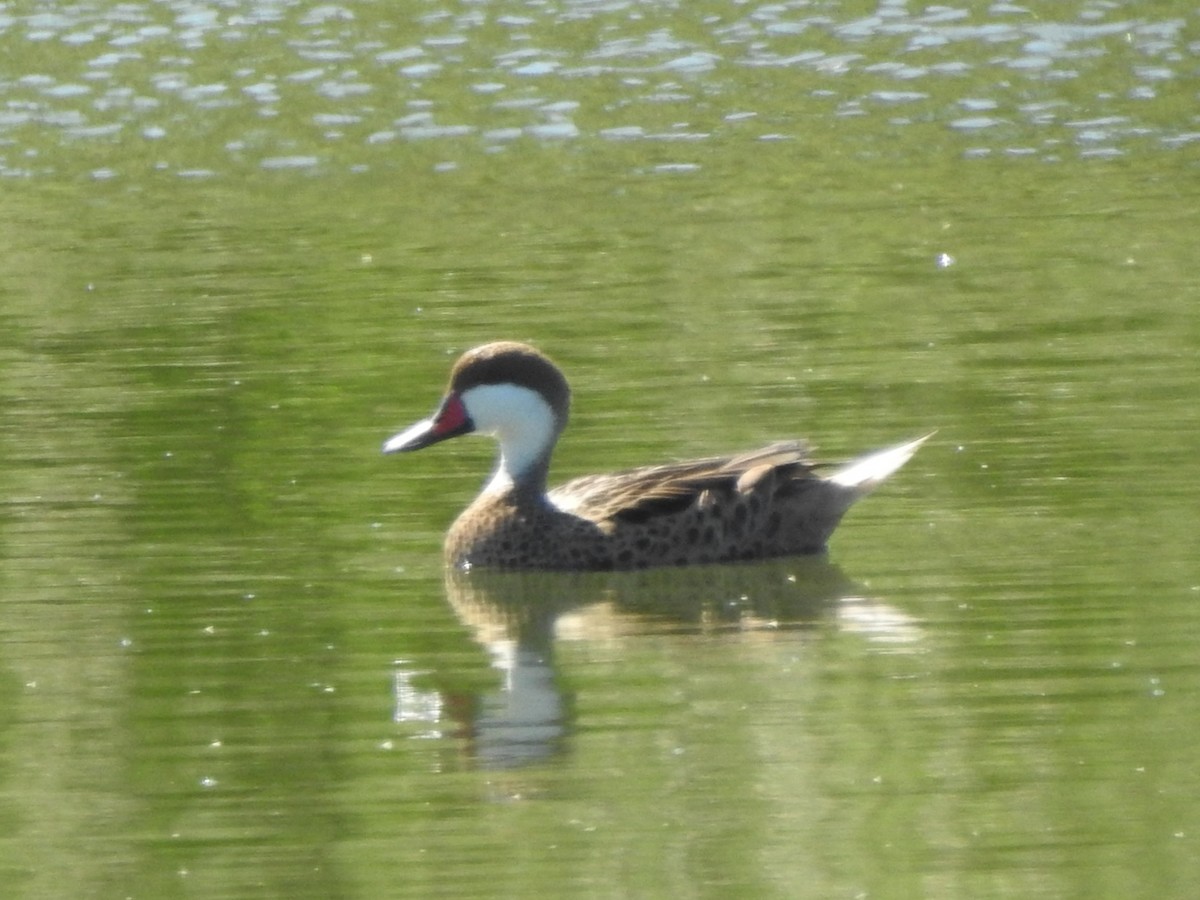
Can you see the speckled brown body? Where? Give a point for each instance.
(753, 506)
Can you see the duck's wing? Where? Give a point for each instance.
(637, 495)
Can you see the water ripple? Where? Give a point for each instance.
(340, 67)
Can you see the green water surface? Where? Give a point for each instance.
(242, 245)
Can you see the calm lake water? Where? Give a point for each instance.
(243, 243)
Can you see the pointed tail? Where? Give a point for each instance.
(864, 474)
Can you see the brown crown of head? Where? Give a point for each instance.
(510, 362)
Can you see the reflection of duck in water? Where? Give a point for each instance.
(541, 606)
(520, 617)
(765, 503)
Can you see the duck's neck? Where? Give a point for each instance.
(527, 483)
(526, 429)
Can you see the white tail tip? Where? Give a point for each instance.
(864, 473)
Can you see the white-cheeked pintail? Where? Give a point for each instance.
(765, 503)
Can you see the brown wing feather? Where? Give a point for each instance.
(636, 495)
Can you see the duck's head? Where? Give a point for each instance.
(505, 390)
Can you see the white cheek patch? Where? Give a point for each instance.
(519, 418)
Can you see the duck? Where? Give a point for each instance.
(770, 502)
